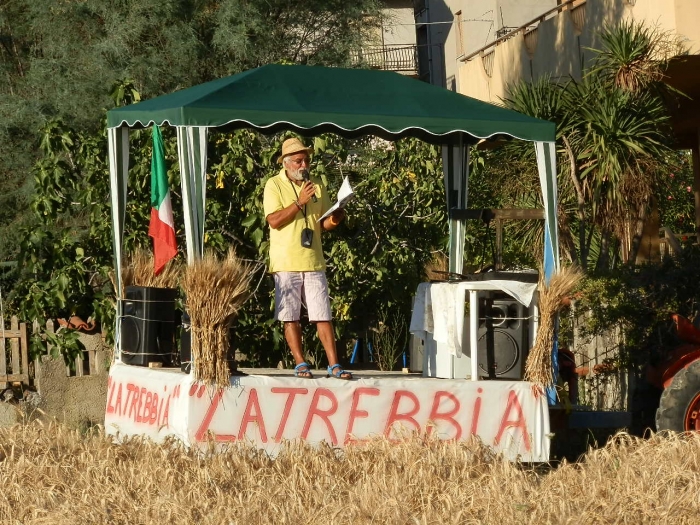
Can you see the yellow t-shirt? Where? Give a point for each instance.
(286, 252)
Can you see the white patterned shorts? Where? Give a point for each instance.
(293, 288)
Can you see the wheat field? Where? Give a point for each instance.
(52, 474)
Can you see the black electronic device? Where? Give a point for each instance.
(147, 329)
(186, 348)
(503, 341)
(306, 176)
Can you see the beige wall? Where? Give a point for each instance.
(480, 20)
(681, 16)
(399, 27)
(558, 45)
(688, 22)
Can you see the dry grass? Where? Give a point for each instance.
(53, 475)
(137, 270)
(538, 367)
(215, 290)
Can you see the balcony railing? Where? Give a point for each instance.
(400, 58)
(563, 5)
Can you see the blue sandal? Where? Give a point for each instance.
(337, 371)
(303, 368)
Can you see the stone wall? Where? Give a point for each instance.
(75, 400)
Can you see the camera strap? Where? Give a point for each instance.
(303, 210)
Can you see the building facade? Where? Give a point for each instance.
(524, 40)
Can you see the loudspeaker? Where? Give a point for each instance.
(186, 348)
(503, 340)
(148, 325)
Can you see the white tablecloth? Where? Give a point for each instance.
(439, 307)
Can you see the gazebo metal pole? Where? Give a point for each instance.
(192, 154)
(118, 153)
(455, 160)
(547, 167)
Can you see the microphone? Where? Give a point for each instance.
(305, 175)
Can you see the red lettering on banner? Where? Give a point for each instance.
(291, 394)
(394, 415)
(354, 412)
(140, 404)
(253, 403)
(447, 416)
(142, 398)
(203, 429)
(127, 400)
(165, 421)
(476, 412)
(514, 404)
(134, 395)
(147, 399)
(323, 414)
(142, 395)
(152, 407)
(136, 403)
(160, 412)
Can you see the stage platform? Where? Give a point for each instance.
(270, 406)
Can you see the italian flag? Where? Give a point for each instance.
(162, 227)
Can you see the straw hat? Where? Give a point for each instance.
(292, 146)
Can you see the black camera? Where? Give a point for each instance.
(307, 235)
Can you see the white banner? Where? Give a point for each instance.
(266, 410)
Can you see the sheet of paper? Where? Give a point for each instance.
(345, 195)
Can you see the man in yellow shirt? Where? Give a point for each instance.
(293, 202)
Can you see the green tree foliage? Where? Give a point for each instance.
(64, 64)
(639, 301)
(65, 61)
(376, 259)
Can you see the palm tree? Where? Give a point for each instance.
(633, 60)
(613, 136)
(634, 56)
(617, 136)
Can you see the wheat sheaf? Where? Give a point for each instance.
(538, 367)
(215, 290)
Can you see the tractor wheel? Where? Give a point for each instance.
(679, 407)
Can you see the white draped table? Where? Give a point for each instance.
(438, 313)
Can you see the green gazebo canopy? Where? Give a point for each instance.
(349, 102)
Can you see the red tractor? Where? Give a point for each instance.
(679, 379)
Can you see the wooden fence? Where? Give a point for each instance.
(671, 243)
(86, 363)
(14, 367)
(14, 353)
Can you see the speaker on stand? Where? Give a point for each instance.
(148, 325)
(503, 340)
